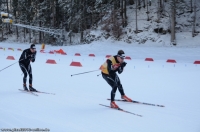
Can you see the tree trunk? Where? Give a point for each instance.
(121, 8)
(85, 16)
(43, 37)
(15, 2)
(158, 12)
(147, 10)
(173, 16)
(70, 24)
(136, 6)
(194, 20)
(53, 15)
(81, 20)
(2, 32)
(40, 33)
(91, 18)
(191, 6)
(144, 5)
(57, 15)
(24, 34)
(161, 4)
(131, 2)
(29, 35)
(124, 13)
(115, 5)
(139, 4)
(8, 13)
(17, 33)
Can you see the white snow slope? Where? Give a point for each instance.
(75, 107)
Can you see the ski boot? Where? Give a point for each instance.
(25, 88)
(126, 98)
(113, 105)
(32, 89)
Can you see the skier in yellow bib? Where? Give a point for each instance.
(109, 68)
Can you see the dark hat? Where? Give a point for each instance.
(33, 46)
(120, 52)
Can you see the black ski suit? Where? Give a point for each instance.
(112, 78)
(24, 63)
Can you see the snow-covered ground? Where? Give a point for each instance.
(75, 107)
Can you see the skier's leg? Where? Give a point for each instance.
(121, 90)
(30, 79)
(30, 74)
(23, 68)
(119, 85)
(110, 81)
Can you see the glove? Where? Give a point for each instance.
(123, 64)
(114, 67)
(32, 56)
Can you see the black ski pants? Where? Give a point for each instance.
(26, 69)
(115, 83)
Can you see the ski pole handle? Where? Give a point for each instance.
(98, 74)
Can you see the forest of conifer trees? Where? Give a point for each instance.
(81, 16)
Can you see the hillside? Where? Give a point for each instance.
(184, 24)
(103, 30)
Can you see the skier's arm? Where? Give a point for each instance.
(24, 55)
(121, 68)
(110, 68)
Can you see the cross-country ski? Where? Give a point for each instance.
(121, 110)
(137, 102)
(34, 92)
(29, 92)
(45, 92)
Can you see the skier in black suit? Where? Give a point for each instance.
(27, 56)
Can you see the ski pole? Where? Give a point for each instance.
(11, 64)
(8, 66)
(84, 72)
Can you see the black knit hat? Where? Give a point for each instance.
(120, 52)
(33, 46)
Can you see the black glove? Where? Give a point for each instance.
(32, 57)
(123, 64)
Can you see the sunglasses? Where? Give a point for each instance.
(33, 49)
(122, 57)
